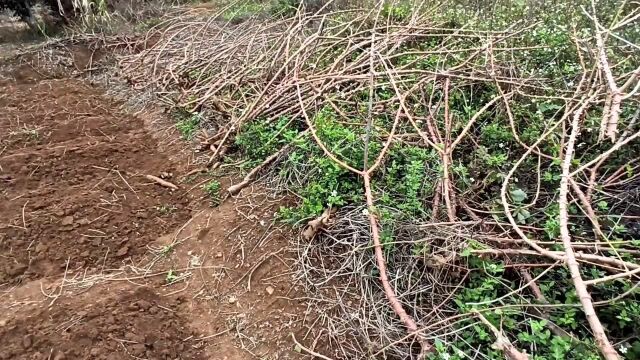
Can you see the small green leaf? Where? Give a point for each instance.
(522, 215)
(518, 195)
(602, 205)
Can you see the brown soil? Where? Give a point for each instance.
(73, 191)
(120, 324)
(243, 299)
(97, 262)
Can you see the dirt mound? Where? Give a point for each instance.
(72, 187)
(122, 324)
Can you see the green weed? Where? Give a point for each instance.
(27, 133)
(285, 8)
(212, 189)
(166, 209)
(166, 250)
(147, 24)
(187, 123)
(172, 276)
(398, 10)
(243, 10)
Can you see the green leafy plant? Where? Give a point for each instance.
(397, 10)
(28, 133)
(166, 250)
(212, 189)
(171, 277)
(187, 123)
(242, 10)
(284, 8)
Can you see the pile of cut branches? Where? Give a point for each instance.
(454, 174)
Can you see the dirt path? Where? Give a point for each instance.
(98, 262)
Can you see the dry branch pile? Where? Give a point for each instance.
(425, 83)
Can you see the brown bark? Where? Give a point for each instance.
(599, 334)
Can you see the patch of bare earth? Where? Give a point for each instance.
(105, 323)
(99, 262)
(74, 194)
(236, 267)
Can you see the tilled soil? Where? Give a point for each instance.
(74, 200)
(121, 324)
(72, 187)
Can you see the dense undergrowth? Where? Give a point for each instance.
(405, 187)
(405, 190)
(496, 83)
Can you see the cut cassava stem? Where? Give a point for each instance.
(599, 334)
(395, 304)
(162, 182)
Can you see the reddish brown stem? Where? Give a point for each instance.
(406, 319)
(572, 263)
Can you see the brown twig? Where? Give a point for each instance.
(502, 342)
(581, 289)
(309, 351)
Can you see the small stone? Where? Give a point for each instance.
(270, 290)
(137, 349)
(232, 299)
(59, 356)
(17, 269)
(195, 261)
(27, 341)
(122, 251)
(219, 255)
(67, 220)
(144, 304)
